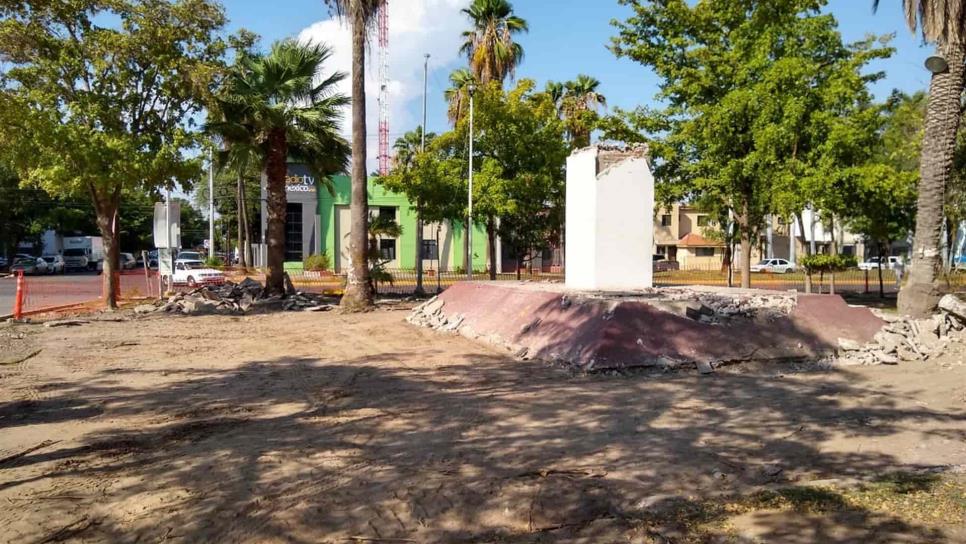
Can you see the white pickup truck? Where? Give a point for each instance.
(194, 273)
(873, 263)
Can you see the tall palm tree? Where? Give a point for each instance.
(457, 96)
(361, 16)
(271, 108)
(942, 22)
(579, 106)
(489, 45)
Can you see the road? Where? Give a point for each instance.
(57, 290)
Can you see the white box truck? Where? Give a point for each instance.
(83, 252)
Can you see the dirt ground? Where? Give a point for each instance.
(322, 427)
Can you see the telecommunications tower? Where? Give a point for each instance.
(383, 22)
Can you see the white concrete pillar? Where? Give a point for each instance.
(609, 219)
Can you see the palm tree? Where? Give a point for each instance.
(942, 22)
(271, 109)
(556, 91)
(457, 95)
(579, 105)
(489, 45)
(408, 146)
(360, 15)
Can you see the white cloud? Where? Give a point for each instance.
(415, 28)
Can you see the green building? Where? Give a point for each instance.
(319, 222)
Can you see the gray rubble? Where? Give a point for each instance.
(905, 339)
(234, 298)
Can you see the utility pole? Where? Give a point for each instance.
(469, 215)
(211, 204)
(167, 230)
(419, 217)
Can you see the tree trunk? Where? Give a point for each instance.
(491, 245)
(240, 220)
(358, 291)
(835, 251)
(419, 254)
(920, 296)
(744, 237)
(275, 171)
(249, 254)
(801, 236)
(882, 251)
(108, 223)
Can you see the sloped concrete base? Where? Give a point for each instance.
(650, 327)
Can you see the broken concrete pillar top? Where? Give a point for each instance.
(609, 224)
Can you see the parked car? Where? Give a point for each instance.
(30, 266)
(3, 263)
(190, 256)
(193, 274)
(128, 261)
(873, 263)
(775, 266)
(152, 260)
(55, 263)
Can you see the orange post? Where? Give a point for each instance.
(18, 299)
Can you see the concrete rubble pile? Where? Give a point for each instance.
(716, 307)
(430, 314)
(234, 298)
(904, 339)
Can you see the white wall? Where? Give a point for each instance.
(609, 220)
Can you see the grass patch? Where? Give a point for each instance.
(907, 502)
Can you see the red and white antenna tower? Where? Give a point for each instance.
(384, 88)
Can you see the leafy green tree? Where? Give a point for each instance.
(520, 151)
(489, 45)
(407, 148)
(942, 22)
(742, 84)
(81, 122)
(361, 16)
(271, 108)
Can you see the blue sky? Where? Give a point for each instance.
(566, 37)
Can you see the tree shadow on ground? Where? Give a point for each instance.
(483, 449)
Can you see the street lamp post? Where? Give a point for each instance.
(469, 215)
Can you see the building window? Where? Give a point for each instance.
(704, 252)
(387, 249)
(703, 221)
(387, 212)
(661, 250)
(430, 250)
(293, 231)
(666, 220)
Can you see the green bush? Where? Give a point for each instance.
(317, 263)
(827, 263)
(214, 262)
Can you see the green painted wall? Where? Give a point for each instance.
(380, 196)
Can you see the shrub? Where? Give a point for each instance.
(214, 262)
(827, 263)
(317, 263)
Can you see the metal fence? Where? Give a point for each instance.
(59, 290)
(403, 282)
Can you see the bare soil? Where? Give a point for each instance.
(323, 427)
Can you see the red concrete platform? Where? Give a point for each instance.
(635, 329)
